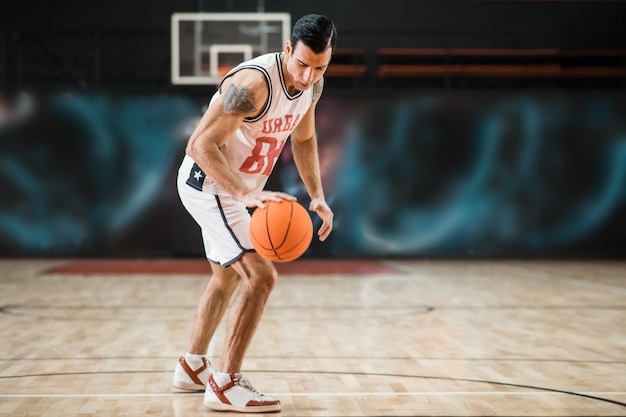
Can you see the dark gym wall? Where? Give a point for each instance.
(126, 43)
(413, 167)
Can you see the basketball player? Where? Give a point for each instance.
(229, 157)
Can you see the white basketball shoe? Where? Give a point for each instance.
(232, 392)
(192, 376)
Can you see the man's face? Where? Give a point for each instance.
(303, 66)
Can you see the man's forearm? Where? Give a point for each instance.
(306, 157)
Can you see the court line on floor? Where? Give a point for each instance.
(534, 389)
(551, 276)
(310, 394)
(505, 384)
(299, 357)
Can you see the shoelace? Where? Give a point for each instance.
(244, 383)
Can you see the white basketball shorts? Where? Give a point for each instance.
(224, 221)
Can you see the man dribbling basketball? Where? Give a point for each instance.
(228, 160)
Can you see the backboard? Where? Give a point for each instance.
(207, 45)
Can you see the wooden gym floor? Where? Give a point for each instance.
(338, 338)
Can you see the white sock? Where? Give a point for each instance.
(194, 360)
(222, 378)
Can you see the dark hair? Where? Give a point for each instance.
(315, 31)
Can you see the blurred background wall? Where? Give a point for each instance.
(455, 129)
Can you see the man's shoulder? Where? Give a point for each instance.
(318, 87)
(248, 77)
(262, 61)
(245, 92)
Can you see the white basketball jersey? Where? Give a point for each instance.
(255, 147)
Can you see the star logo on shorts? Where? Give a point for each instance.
(198, 175)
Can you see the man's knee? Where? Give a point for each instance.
(225, 278)
(259, 273)
(264, 279)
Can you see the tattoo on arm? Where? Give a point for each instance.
(239, 100)
(317, 89)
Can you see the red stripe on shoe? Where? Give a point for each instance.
(219, 391)
(193, 374)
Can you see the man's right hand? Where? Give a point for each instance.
(257, 199)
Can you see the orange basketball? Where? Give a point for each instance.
(282, 231)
